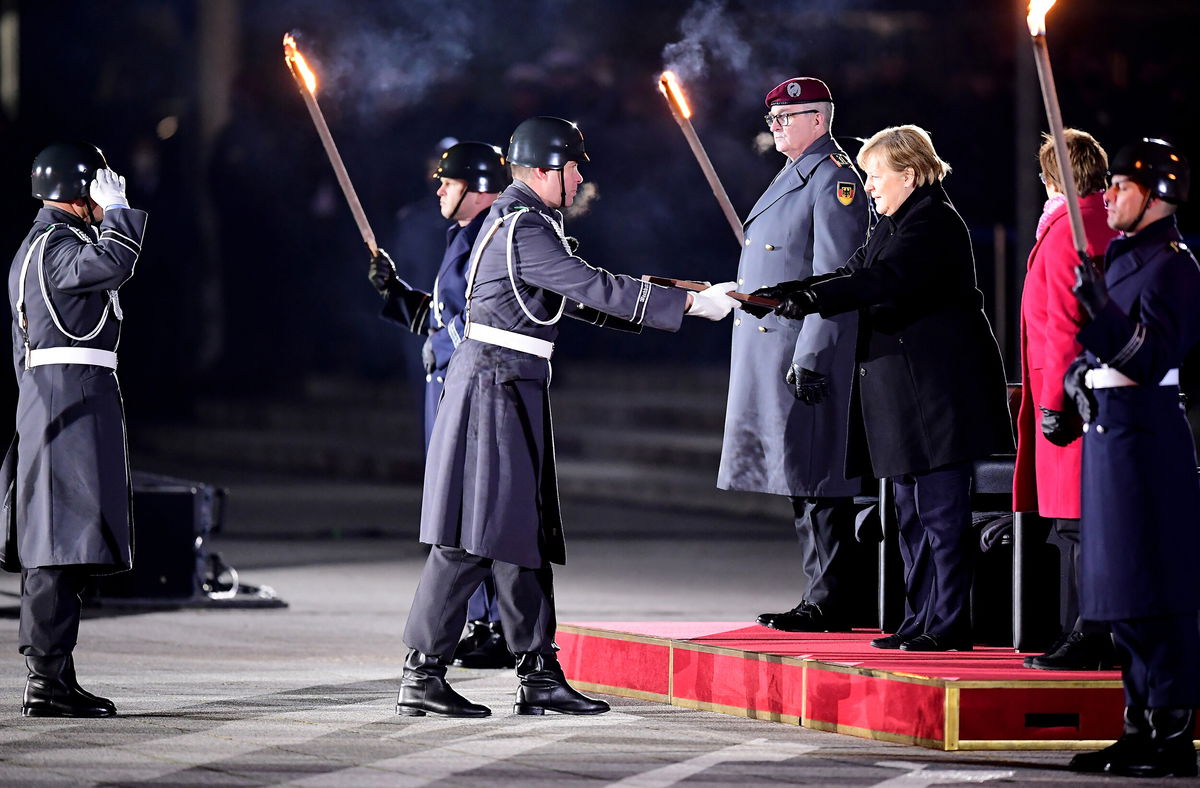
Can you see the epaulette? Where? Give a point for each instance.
(1179, 246)
(840, 158)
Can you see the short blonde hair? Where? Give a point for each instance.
(900, 147)
(1089, 162)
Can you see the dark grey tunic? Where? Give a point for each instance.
(808, 222)
(490, 486)
(68, 464)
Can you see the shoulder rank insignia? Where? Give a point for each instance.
(840, 158)
(845, 192)
(1178, 246)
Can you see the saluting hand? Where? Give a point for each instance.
(1089, 288)
(107, 189)
(382, 273)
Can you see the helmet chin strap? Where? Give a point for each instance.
(454, 214)
(1132, 228)
(562, 190)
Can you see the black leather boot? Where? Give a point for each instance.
(51, 690)
(484, 646)
(544, 688)
(1170, 752)
(1133, 742)
(423, 690)
(1079, 651)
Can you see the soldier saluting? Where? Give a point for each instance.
(491, 495)
(67, 507)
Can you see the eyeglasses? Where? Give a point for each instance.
(785, 118)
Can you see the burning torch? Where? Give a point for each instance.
(1037, 31)
(670, 88)
(306, 81)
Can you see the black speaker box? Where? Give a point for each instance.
(171, 519)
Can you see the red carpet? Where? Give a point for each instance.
(982, 699)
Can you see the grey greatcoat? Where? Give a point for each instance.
(68, 470)
(490, 485)
(809, 221)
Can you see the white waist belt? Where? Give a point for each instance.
(509, 339)
(71, 355)
(1109, 378)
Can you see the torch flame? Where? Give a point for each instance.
(670, 88)
(298, 64)
(1037, 16)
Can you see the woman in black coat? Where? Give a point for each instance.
(929, 394)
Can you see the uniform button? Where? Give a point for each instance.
(862, 373)
(737, 321)
(901, 340)
(441, 305)
(762, 329)
(747, 242)
(429, 379)
(1086, 426)
(769, 247)
(441, 379)
(741, 281)
(1100, 429)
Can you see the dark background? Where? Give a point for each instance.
(254, 277)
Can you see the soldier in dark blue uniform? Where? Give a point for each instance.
(491, 493)
(66, 509)
(1139, 536)
(471, 176)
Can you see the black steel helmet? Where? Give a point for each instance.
(63, 171)
(1157, 165)
(546, 142)
(481, 165)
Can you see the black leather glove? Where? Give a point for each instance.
(774, 292)
(1060, 428)
(1077, 390)
(807, 386)
(1089, 288)
(428, 356)
(383, 273)
(794, 306)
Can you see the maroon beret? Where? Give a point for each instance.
(799, 90)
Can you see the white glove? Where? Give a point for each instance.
(712, 303)
(108, 190)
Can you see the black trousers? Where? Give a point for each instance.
(451, 574)
(825, 530)
(1065, 536)
(1161, 658)
(50, 610)
(937, 546)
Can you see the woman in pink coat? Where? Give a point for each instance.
(1046, 480)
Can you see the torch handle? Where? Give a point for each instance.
(1041, 54)
(339, 168)
(710, 173)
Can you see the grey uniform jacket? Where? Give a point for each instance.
(67, 470)
(810, 220)
(490, 485)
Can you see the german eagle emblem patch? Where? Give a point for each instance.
(845, 192)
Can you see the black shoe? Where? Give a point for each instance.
(888, 641)
(1170, 751)
(804, 617)
(484, 646)
(932, 642)
(423, 690)
(544, 688)
(1055, 646)
(1079, 651)
(1134, 741)
(51, 690)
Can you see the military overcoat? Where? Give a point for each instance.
(1140, 528)
(438, 314)
(490, 484)
(929, 387)
(810, 220)
(69, 500)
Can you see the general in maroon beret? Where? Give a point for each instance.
(799, 90)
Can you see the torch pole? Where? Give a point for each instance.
(1041, 53)
(706, 166)
(335, 160)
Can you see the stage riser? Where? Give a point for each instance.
(844, 697)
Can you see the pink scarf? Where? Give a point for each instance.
(1048, 210)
